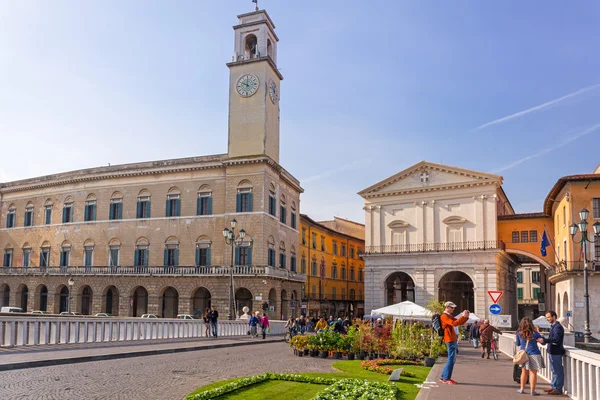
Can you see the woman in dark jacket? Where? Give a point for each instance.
(527, 337)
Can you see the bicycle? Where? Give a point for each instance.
(493, 347)
(287, 336)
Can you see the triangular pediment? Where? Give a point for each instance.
(425, 176)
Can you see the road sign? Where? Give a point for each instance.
(495, 295)
(501, 321)
(495, 309)
(569, 314)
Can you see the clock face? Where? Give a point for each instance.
(247, 85)
(273, 92)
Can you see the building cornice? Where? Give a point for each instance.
(426, 189)
(258, 59)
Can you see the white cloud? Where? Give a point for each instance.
(538, 107)
(548, 149)
(346, 167)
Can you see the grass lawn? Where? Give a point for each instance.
(296, 390)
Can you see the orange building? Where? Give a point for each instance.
(330, 256)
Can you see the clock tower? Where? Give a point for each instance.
(254, 88)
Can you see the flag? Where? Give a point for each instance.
(545, 243)
(255, 1)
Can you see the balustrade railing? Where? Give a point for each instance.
(221, 270)
(582, 369)
(56, 331)
(575, 266)
(434, 247)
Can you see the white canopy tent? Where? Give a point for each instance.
(472, 318)
(541, 322)
(404, 310)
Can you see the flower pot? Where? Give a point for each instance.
(300, 353)
(323, 354)
(295, 352)
(361, 355)
(314, 353)
(429, 361)
(305, 352)
(337, 355)
(350, 356)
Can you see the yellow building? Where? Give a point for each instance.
(330, 256)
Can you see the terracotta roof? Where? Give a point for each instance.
(560, 184)
(325, 227)
(523, 216)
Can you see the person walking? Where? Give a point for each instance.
(474, 332)
(206, 319)
(527, 337)
(448, 323)
(253, 323)
(214, 321)
(486, 332)
(264, 324)
(556, 351)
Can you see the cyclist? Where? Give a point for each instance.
(486, 331)
(321, 325)
(289, 325)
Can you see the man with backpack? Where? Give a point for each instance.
(447, 323)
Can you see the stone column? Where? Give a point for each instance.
(184, 306)
(154, 305)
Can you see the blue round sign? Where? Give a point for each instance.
(495, 309)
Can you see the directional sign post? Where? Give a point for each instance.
(495, 295)
(495, 309)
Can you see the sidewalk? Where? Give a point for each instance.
(40, 356)
(477, 378)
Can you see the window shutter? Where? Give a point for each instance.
(238, 202)
(197, 256)
(111, 211)
(284, 264)
(249, 202)
(176, 257)
(42, 264)
(249, 258)
(138, 211)
(237, 256)
(177, 207)
(198, 206)
(62, 258)
(149, 208)
(93, 212)
(119, 210)
(208, 257)
(136, 258)
(166, 258)
(208, 205)
(64, 216)
(145, 254)
(293, 263)
(168, 209)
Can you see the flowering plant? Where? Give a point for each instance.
(358, 389)
(380, 366)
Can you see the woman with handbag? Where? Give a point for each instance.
(529, 355)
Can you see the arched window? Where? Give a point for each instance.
(243, 251)
(352, 275)
(8, 257)
(313, 266)
(143, 204)
(282, 257)
(244, 197)
(88, 253)
(171, 252)
(282, 210)
(89, 213)
(65, 253)
(26, 255)
(116, 206)
(173, 208)
(293, 217)
(203, 251)
(204, 201)
(272, 200)
(114, 252)
(28, 217)
(334, 270)
(343, 272)
(271, 252)
(303, 264)
(11, 216)
(48, 212)
(140, 256)
(67, 215)
(293, 259)
(45, 254)
(251, 47)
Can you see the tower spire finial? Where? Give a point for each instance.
(256, 6)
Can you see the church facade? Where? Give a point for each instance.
(431, 233)
(149, 237)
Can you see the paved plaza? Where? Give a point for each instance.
(165, 376)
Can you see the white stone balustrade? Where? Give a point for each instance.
(582, 369)
(66, 330)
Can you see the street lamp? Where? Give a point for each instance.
(233, 241)
(71, 282)
(583, 227)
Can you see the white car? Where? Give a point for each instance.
(70, 313)
(149, 316)
(103, 314)
(185, 316)
(11, 309)
(37, 312)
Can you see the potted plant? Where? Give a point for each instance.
(312, 344)
(430, 360)
(353, 338)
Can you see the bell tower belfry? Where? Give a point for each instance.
(254, 88)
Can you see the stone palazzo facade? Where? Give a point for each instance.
(148, 237)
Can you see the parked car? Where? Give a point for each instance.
(149, 316)
(103, 314)
(11, 309)
(185, 316)
(70, 313)
(38, 312)
(580, 337)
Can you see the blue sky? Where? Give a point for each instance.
(370, 88)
